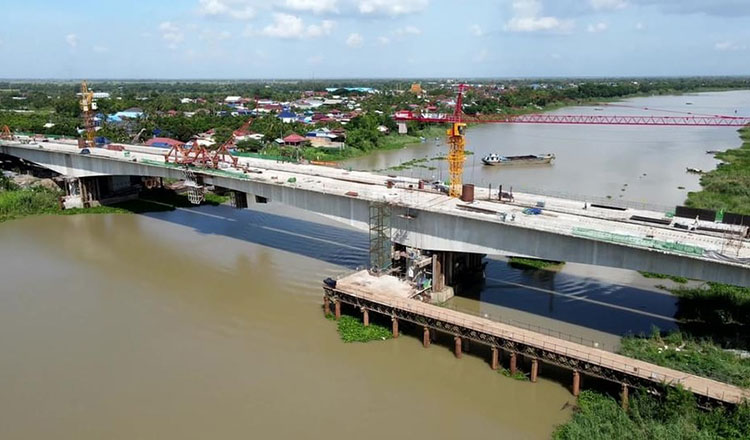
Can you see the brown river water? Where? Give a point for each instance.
(199, 324)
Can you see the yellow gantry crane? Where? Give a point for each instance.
(87, 109)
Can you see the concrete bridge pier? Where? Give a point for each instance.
(534, 370)
(495, 363)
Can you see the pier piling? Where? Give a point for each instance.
(326, 305)
(457, 341)
(513, 366)
(534, 370)
(495, 358)
(576, 383)
(426, 337)
(365, 317)
(394, 327)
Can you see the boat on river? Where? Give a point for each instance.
(529, 159)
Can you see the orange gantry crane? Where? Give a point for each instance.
(200, 156)
(457, 127)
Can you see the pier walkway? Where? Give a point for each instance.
(581, 359)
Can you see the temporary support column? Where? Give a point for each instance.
(457, 341)
(326, 305)
(495, 358)
(513, 367)
(426, 337)
(624, 397)
(576, 383)
(534, 370)
(337, 308)
(394, 326)
(438, 277)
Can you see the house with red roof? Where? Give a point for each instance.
(295, 140)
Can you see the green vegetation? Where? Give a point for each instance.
(674, 417)
(352, 329)
(697, 356)
(532, 263)
(214, 199)
(716, 311)
(517, 375)
(713, 319)
(21, 203)
(728, 186)
(661, 276)
(17, 203)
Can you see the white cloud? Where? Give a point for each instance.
(476, 30)
(729, 46)
(608, 5)
(315, 6)
(171, 34)
(391, 7)
(318, 30)
(527, 18)
(408, 30)
(354, 40)
(72, 40)
(556, 56)
(597, 27)
(640, 26)
(384, 40)
(100, 49)
(237, 9)
(290, 26)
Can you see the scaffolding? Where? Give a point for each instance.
(195, 190)
(380, 238)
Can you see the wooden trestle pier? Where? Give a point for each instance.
(538, 348)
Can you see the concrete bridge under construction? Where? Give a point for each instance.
(422, 218)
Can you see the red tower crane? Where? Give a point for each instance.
(458, 121)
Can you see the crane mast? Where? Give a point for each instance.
(87, 110)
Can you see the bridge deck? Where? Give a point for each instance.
(594, 361)
(560, 217)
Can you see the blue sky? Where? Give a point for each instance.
(243, 39)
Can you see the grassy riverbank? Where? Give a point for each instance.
(18, 203)
(661, 276)
(713, 319)
(728, 186)
(674, 416)
(533, 263)
(682, 352)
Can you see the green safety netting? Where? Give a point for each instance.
(639, 241)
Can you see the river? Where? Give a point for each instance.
(643, 164)
(207, 323)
